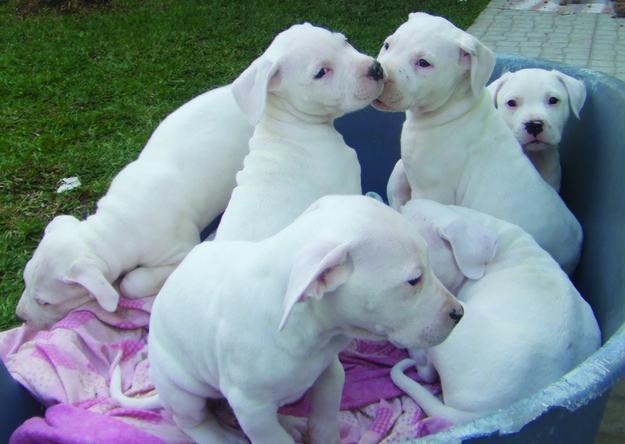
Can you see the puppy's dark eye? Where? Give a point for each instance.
(553, 100)
(321, 73)
(414, 281)
(386, 45)
(511, 103)
(423, 63)
(41, 302)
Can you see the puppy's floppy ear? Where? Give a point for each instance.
(251, 87)
(318, 269)
(496, 85)
(63, 219)
(479, 57)
(472, 244)
(575, 89)
(87, 274)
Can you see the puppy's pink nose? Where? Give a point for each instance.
(456, 314)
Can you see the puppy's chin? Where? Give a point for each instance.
(536, 145)
(361, 333)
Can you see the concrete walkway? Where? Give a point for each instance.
(582, 35)
(579, 35)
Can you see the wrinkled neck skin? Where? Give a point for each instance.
(461, 101)
(114, 253)
(281, 119)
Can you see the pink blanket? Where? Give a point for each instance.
(68, 369)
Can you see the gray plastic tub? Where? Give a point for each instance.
(593, 186)
(593, 161)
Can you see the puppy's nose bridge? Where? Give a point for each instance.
(456, 314)
(375, 71)
(534, 127)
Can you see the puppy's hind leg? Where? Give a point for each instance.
(192, 415)
(145, 281)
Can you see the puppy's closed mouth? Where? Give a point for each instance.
(378, 104)
(535, 145)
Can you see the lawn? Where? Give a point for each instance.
(82, 93)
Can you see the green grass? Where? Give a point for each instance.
(80, 94)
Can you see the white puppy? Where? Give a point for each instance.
(455, 148)
(305, 79)
(535, 104)
(524, 325)
(149, 219)
(264, 321)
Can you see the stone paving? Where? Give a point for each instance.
(590, 40)
(568, 35)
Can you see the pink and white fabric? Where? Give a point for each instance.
(68, 369)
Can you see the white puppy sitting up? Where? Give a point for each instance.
(535, 104)
(524, 326)
(149, 219)
(455, 148)
(293, 92)
(260, 322)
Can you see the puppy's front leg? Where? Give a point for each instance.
(398, 188)
(424, 366)
(325, 399)
(258, 419)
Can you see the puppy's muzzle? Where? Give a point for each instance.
(456, 314)
(375, 71)
(534, 127)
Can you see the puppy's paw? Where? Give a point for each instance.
(144, 281)
(296, 427)
(324, 432)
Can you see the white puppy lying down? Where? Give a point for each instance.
(260, 322)
(524, 325)
(535, 103)
(149, 219)
(305, 79)
(455, 148)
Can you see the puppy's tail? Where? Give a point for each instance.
(146, 403)
(426, 400)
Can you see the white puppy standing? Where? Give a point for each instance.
(149, 219)
(293, 92)
(524, 326)
(535, 105)
(264, 321)
(455, 148)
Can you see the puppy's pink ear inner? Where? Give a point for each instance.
(87, 275)
(318, 269)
